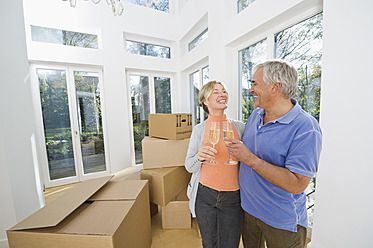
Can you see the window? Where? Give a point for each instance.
(163, 5)
(205, 75)
(71, 123)
(63, 37)
(242, 4)
(249, 57)
(140, 111)
(195, 86)
(301, 45)
(149, 94)
(162, 92)
(134, 47)
(203, 36)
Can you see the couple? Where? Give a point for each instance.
(262, 197)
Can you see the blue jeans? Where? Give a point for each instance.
(219, 217)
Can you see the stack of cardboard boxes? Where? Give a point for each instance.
(164, 155)
(110, 213)
(97, 213)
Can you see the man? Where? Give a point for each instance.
(279, 155)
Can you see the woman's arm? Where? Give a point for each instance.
(191, 161)
(198, 153)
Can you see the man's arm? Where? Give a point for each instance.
(292, 182)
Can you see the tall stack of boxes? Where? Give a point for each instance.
(164, 155)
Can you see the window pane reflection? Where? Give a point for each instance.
(63, 37)
(203, 36)
(134, 47)
(88, 99)
(140, 111)
(162, 95)
(242, 4)
(56, 120)
(162, 6)
(194, 82)
(250, 57)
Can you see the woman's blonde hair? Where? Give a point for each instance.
(206, 92)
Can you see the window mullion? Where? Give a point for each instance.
(151, 93)
(271, 46)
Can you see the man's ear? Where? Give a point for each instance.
(276, 87)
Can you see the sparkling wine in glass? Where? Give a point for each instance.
(228, 133)
(214, 137)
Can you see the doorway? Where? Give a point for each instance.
(69, 103)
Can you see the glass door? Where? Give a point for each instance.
(149, 93)
(140, 110)
(71, 120)
(196, 80)
(88, 105)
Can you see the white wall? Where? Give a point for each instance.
(137, 22)
(20, 190)
(7, 214)
(343, 206)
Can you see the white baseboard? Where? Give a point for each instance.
(4, 243)
(309, 245)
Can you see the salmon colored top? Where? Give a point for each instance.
(220, 177)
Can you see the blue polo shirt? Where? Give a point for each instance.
(292, 142)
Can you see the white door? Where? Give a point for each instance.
(70, 113)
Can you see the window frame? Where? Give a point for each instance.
(151, 75)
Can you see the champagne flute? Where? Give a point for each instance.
(228, 133)
(214, 137)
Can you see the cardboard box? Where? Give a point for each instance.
(176, 214)
(170, 126)
(165, 183)
(158, 153)
(95, 213)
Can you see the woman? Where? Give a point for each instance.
(214, 190)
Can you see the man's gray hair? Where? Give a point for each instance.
(280, 71)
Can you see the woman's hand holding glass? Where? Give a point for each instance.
(206, 153)
(214, 137)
